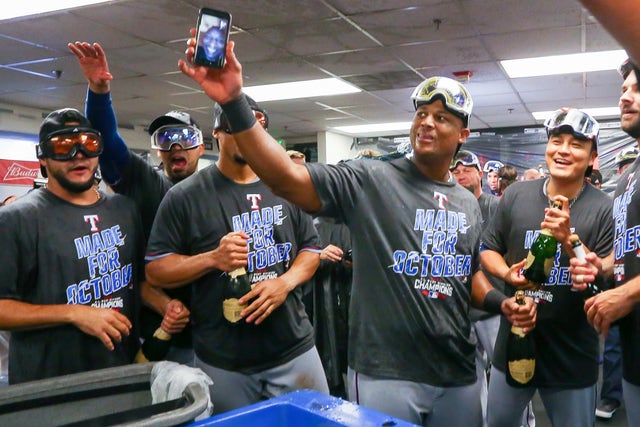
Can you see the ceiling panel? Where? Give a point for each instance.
(385, 47)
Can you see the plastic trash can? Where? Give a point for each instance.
(303, 408)
(105, 397)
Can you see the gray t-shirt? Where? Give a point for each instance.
(192, 218)
(55, 252)
(415, 248)
(567, 346)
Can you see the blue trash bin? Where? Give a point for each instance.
(306, 408)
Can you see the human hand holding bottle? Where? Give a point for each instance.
(176, 317)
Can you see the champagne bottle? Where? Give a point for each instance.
(578, 250)
(155, 347)
(237, 286)
(521, 353)
(541, 255)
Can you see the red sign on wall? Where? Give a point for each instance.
(18, 172)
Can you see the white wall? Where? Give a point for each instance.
(28, 120)
(333, 147)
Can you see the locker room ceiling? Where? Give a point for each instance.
(385, 47)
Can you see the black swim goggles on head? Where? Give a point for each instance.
(65, 145)
(165, 137)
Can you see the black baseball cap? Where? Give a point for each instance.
(220, 118)
(172, 118)
(56, 123)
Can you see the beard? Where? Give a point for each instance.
(633, 130)
(73, 187)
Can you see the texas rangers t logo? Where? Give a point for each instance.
(93, 220)
(441, 198)
(255, 198)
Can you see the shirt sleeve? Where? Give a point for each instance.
(115, 155)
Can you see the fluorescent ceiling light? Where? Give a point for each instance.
(33, 7)
(595, 112)
(564, 64)
(375, 127)
(301, 89)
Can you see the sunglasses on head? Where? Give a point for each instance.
(466, 158)
(65, 146)
(225, 126)
(187, 137)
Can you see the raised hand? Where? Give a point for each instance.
(176, 317)
(222, 85)
(93, 62)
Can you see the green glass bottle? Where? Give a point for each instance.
(237, 286)
(541, 255)
(155, 347)
(521, 353)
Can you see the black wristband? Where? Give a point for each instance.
(239, 114)
(493, 301)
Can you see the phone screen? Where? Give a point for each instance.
(211, 40)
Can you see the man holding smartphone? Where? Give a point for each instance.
(415, 358)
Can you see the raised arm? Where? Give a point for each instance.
(99, 109)
(268, 159)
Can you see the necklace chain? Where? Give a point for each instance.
(571, 202)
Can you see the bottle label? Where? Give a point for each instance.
(548, 265)
(516, 330)
(529, 262)
(522, 370)
(231, 309)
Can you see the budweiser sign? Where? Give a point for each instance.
(18, 172)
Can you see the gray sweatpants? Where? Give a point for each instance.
(418, 403)
(566, 407)
(232, 390)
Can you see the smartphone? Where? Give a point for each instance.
(212, 37)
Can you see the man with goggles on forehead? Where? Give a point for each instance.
(72, 262)
(622, 264)
(422, 348)
(223, 218)
(491, 168)
(567, 347)
(178, 141)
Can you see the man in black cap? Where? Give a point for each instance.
(72, 262)
(179, 142)
(222, 218)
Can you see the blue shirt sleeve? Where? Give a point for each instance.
(115, 156)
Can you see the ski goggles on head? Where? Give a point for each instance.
(261, 117)
(493, 166)
(582, 125)
(65, 146)
(465, 158)
(165, 137)
(455, 97)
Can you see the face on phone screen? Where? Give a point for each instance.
(213, 33)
